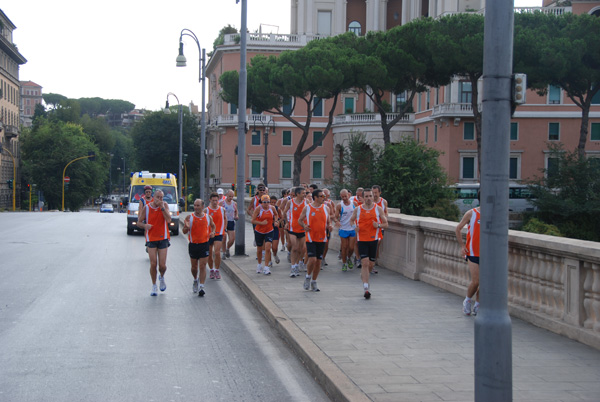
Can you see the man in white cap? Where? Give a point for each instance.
(222, 196)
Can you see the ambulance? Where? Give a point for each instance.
(167, 182)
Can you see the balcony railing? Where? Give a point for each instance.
(232, 119)
(453, 110)
(11, 131)
(370, 118)
(276, 40)
(545, 10)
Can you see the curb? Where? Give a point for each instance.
(330, 377)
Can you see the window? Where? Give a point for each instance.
(418, 135)
(400, 101)
(551, 167)
(349, 105)
(426, 135)
(287, 105)
(317, 106)
(232, 108)
(468, 167)
(428, 99)
(324, 23)
(286, 169)
(553, 95)
(466, 92)
(514, 131)
(596, 99)
(553, 131)
(317, 137)
(435, 133)
(355, 28)
(595, 132)
(287, 138)
(255, 169)
(468, 131)
(317, 169)
(419, 101)
(437, 96)
(513, 168)
(255, 137)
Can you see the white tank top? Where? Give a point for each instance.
(229, 210)
(345, 215)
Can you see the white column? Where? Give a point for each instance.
(339, 17)
(302, 17)
(405, 11)
(310, 17)
(294, 18)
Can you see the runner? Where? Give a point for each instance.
(200, 229)
(369, 220)
(357, 200)
(222, 195)
(329, 204)
(315, 220)
(157, 218)
(293, 210)
(377, 199)
(231, 213)
(470, 251)
(145, 200)
(277, 230)
(343, 212)
(217, 213)
(264, 218)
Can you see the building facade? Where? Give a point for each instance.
(10, 121)
(31, 95)
(442, 118)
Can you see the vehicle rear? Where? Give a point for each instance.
(519, 197)
(166, 182)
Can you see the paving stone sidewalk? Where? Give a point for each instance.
(409, 342)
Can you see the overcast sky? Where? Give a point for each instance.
(125, 49)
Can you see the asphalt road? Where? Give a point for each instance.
(77, 322)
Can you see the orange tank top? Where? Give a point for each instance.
(160, 229)
(293, 215)
(218, 217)
(364, 224)
(317, 219)
(473, 233)
(268, 215)
(199, 229)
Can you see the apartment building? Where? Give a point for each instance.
(10, 60)
(31, 95)
(442, 118)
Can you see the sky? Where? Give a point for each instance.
(126, 49)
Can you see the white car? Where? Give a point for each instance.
(107, 208)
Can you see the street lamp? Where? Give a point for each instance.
(266, 126)
(180, 137)
(181, 62)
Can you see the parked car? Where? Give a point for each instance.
(107, 208)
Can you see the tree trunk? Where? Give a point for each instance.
(297, 168)
(583, 129)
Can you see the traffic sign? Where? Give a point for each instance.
(67, 179)
(248, 182)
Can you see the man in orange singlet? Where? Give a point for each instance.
(217, 213)
(315, 219)
(470, 251)
(292, 212)
(264, 218)
(157, 218)
(200, 229)
(369, 220)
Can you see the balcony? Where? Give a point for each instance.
(272, 40)
(11, 131)
(364, 119)
(452, 111)
(225, 120)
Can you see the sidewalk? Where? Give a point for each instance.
(409, 342)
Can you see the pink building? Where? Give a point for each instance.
(31, 95)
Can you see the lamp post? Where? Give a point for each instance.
(181, 62)
(123, 175)
(266, 126)
(180, 137)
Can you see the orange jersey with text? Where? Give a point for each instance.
(293, 216)
(473, 233)
(317, 219)
(199, 229)
(160, 228)
(364, 224)
(269, 216)
(219, 218)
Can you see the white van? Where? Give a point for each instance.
(519, 197)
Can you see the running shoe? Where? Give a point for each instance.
(475, 308)
(163, 285)
(201, 292)
(340, 255)
(314, 287)
(277, 260)
(297, 270)
(270, 264)
(267, 271)
(467, 307)
(195, 287)
(350, 265)
(367, 294)
(374, 271)
(212, 274)
(293, 272)
(154, 291)
(217, 274)
(324, 262)
(306, 283)
(227, 254)
(259, 269)
(223, 256)
(289, 257)
(344, 267)
(358, 263)
(282, 246)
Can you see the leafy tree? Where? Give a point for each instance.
(404, 62)
(47, 149)
(354, 163)
(569, 197)
(322, 69)
(156, 142)
(220, 39)
(561, 51)
(99, 130)
(411, 177)
(53, 99)
(68, 111)
(457, 46)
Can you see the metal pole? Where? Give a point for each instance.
(179, 178)
(203, 129)
(240, 228)
(493, 339)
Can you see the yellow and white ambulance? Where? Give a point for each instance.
(167, 182)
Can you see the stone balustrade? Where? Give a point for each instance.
(553, 282)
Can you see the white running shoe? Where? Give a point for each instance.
(154, 290)
(163, 285)
(476, 308)
(289, 257)
(227, 254)
(314, 287)
(259, 269)
(277, 260)
(195, 287)
(282, 246)
(267, 271)
(217, 274)
(297, 270)
(270, 264)
(201, 292)
(467, 307)
(307, 283)
(293, 272)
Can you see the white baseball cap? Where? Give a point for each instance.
(220, 191)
